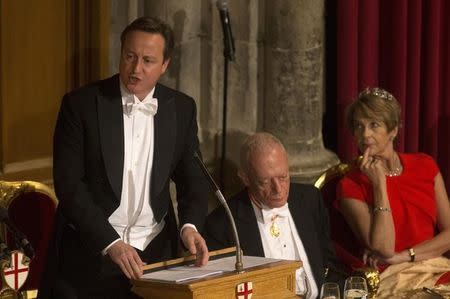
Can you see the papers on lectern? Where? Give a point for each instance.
(214, 267)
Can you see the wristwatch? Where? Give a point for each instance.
(412, 254)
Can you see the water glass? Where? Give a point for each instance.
(355, 288)
(330, 290)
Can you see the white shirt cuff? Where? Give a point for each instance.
(105, 251)
(187, 225)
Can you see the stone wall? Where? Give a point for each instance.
(275, 84)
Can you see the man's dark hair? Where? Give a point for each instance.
(152, 25)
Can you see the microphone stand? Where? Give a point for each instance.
(19, 237)
(239, 266)
(224, 120)
(228, 53)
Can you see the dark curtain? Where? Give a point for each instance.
(404, 47)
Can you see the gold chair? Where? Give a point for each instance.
(331, 174)
(31, 207)
(345, 242)
(341, 234)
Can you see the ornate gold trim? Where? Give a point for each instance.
(336, 171)
(11, 190)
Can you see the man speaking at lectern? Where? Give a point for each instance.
(275, 218)
(117, 144)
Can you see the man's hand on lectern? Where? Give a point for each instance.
(195, 243)
(127, 258)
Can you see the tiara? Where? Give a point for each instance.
(376, 91)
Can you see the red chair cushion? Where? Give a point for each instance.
(33, 214)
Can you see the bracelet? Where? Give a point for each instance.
(381, 209)
(412, 254)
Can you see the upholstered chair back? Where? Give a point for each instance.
(31, 207)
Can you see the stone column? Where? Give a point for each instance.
(245, 82)
(295, 33)
(188, 70)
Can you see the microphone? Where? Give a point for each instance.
(239, 265)
(228, 41)
(20, 239)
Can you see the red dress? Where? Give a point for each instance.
(411, 196)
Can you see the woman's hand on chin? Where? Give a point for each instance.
(373, 167)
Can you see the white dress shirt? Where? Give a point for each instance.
(133, 219)
(287, 245)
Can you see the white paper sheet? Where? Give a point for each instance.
(223, 265)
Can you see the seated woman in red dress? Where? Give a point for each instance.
(396, 203)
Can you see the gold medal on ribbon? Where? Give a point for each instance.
(274, 229)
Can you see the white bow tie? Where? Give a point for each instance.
(148, 108)
(270, 214)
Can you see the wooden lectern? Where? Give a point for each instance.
(273, 280)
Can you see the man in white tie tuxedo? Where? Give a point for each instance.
(117, 145)
(275, 218)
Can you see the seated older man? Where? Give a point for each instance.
(276, 218)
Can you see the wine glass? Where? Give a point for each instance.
(330, 290)
(355, 288)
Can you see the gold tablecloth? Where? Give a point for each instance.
(406, 280)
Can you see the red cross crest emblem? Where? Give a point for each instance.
(16, 275)
(244, 290)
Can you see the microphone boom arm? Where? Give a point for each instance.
(239, 266)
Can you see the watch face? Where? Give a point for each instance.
(412, 254)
